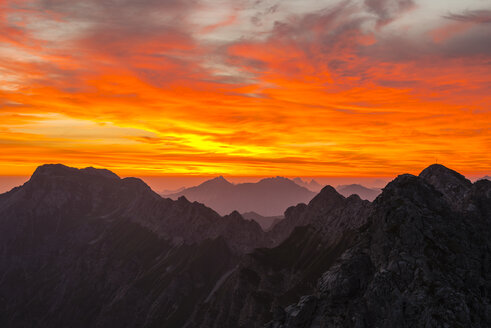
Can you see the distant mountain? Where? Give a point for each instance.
(266, 222)
(311, 185)
(356, 189)
(486, 177)
(171, 191)
(268, 197)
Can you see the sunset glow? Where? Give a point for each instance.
(246, 88)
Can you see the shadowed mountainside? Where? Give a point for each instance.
(268, 197)
(420, 256)
(266, 222)
(85, 248)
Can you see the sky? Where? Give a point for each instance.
(367, 88)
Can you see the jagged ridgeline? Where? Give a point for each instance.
(84, 248)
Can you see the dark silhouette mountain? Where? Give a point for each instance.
(311, 185)
(356, 189)
(266, 222)
(413, 258)
(84, 248)
(268, 197)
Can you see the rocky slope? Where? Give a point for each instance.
(60, 191)
(84, 248)
(271, 278)
(421, 258)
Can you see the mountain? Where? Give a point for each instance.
(266, 222)
(168, 191)
(356, 189)
(268, 197)
(84, 248)
(311, 185)
(413, 258)
(486, 177)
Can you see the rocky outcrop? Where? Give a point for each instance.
(60, 191)
(310, 238)
(451, 184)
(84, 248)
(330, 213)
(423, 261)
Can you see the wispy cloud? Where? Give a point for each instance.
(241, 87)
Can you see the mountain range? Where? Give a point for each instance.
(268, 197)
(311, 185)
(266, 222)
(84, 248)
(362, 191)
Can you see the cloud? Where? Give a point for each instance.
(244, 89)
(474, 16)
(388, 10)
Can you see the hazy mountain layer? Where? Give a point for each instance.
(268, 197)
(266, 222)
(362, 191)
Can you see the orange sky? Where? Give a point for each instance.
(246, 88)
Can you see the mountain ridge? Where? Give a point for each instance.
(82, 247)
(267, 197)
(401, 266)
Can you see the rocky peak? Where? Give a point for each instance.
(419, 261)
(60, 170)
(327, 199)
(451, 184)
(329, 213)
(59, 191)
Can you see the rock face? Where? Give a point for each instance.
(417, 258)
(269, 279)
(422, 261)
(84, 248)
(329, 213)
(268, 197)
(60, 191)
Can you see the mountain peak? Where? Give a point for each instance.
(278, 181)
(60, 170)
(449, 182)
(219, 180)
(442, 172)
(328, 197)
